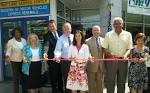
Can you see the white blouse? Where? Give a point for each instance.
(82, 54)
(35, 54)
(14, 49)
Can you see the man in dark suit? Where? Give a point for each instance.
(50, 39)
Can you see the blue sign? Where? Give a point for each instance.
(25, 10)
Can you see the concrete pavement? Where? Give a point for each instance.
(6, 87)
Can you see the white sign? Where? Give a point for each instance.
(139, 7)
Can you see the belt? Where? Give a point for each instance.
(118, 57)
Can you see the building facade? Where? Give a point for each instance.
(33, 15)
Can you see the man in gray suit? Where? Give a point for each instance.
(95, 69)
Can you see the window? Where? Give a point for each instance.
(147, 19)
(60, 8)
(37, 26)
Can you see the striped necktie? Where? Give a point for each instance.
(97, 42)
(69, 41)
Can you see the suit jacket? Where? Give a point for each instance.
(96, 53)
(50, 41)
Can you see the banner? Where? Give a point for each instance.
(25, 10)
(139, 7)
(23, 3)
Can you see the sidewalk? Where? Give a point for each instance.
(126, 90)
(6, 87)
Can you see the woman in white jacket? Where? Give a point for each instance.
(77, 76)
(14, 56)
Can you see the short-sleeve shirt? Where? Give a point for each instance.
(118, 44)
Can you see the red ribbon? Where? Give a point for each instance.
(97, 59)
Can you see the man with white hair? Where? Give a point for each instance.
(117, 45)
(61, 51)
(95, 69)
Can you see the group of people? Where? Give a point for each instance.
(25, 58)
(78, 65)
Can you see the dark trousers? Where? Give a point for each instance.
(148, 90)
(113, 70)
(65, 65)
(55, 76)
(16, 69)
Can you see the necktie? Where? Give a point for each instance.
(69, 41)
(97, 42)
(55, 35)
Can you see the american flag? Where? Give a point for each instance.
(109, 23)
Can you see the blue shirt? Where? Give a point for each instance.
(62, 46)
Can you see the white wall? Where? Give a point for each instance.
(53, 10)
(116, 9)
(104, 16)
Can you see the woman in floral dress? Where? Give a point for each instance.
(77, 76)
(137, 76)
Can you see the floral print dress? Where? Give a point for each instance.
(137, 74)
(77, 76)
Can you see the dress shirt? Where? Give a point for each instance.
(62, 46)
(118, 44)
